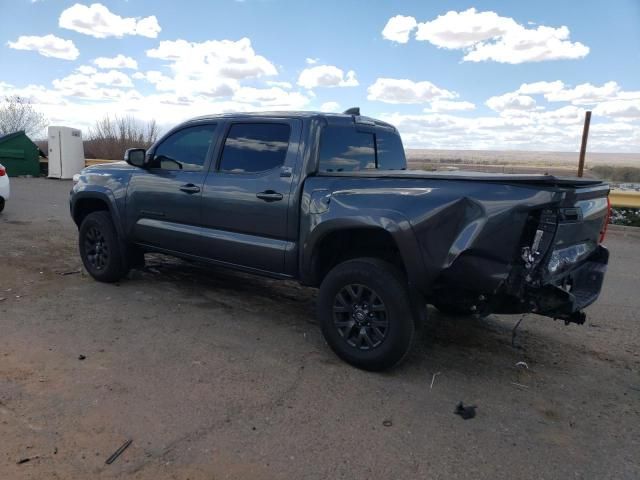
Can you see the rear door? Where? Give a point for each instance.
(163, 201)
(246, 195)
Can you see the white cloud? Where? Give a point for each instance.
(273, 97)
(96, 20)
(87, 69)
(36, 94)
(456, 30)
(553, 130)
(47, 46)
(311, 61)
(99, 85)
(487, 36)
(511, 101)
(326, 76)
(331, 107)
(395, 90)
(585, 93)
(450, 106)
(214, 68)
(273, 83)
(621, 109)
(119, 61)
(213, 58)
(189, 87)
(529, 45)
(582, 94)
(567, 115)
(399, 28)
(540, 87)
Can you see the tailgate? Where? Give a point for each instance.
(567, 264)
(568, 234)
(582, 216)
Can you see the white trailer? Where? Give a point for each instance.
(66, 152)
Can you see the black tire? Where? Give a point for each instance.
(1, 204)
(390, 312)
(100, 248)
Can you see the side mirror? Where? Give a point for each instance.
(135, 157)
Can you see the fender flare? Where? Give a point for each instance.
(392, 222)
(105, 195)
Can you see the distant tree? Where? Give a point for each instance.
(17, 113)
(110, 137)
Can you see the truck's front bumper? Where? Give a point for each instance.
(565, 296)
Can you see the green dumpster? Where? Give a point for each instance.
(19, 155)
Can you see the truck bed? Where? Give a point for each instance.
(529, 179)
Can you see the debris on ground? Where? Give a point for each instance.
(387, 423)
(118, 452)
(81, 357)
(27, 459)
(433, 379)
(522, 364)
(515, 330)
(71, 272)
(467, 412)
(519, 385)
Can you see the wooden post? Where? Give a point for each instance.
(583, 147)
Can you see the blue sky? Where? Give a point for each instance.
(450, 74)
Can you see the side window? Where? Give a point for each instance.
(344, 149)
(184, 150)
(255, 147)
(390, 151)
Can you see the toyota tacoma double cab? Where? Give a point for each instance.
(325, 199)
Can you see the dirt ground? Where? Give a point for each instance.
(215, 374)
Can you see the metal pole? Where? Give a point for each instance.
(583, 147)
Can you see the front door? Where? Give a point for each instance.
(163, 201)
(245, 198)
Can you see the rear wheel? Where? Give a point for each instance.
(100, 249)
(365, 311)
(1, 204)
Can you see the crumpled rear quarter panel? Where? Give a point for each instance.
(464, 232)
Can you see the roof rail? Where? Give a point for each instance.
(352, 111)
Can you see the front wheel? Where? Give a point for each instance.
(100, 249)
(366, 314)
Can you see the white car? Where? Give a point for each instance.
(4, 187)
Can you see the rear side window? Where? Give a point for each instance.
(345, 149)
(390, 151)
(186, 149)
(255, 147)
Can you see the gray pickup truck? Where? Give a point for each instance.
(326, 199)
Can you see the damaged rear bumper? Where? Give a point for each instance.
(564, 296)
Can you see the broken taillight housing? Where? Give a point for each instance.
(563, 259)
(603, 231)
(3, 171)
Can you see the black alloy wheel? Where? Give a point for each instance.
(366, 313)
(360, 317)
(96, 248)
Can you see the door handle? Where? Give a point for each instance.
(190, 188)
(269, 196)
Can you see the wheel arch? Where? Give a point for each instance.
(86, 202)
(337, 240)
